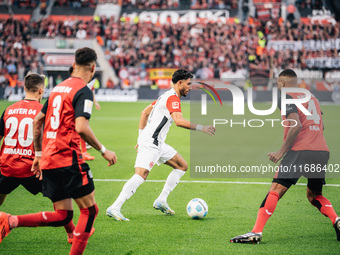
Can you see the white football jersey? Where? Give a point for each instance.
(160, 119)
(91, 84)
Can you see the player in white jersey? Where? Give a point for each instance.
(154, 125)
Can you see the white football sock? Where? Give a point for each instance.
(170, 183)
(128, 190)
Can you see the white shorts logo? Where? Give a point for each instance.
(88, 104)
(175, 105)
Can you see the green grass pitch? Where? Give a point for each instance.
(295, 228)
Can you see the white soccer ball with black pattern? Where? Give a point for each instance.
(197, 208)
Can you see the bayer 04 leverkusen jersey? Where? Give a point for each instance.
(16, 128)
(160, 119)
(310, 136)
(61, 143)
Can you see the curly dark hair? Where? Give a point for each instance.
(181, 74)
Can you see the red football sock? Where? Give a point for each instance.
(54, 219)
(83, 146)
(266, 210)
(82, 232)
(325, 207)
(70, 227)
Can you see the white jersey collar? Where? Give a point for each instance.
(173, 90)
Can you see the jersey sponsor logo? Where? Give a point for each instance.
(175, 105)
(22, 152)
(88, 104)
(51, 135)
(22, 111)
(62, 89)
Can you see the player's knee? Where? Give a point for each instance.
(184, 166)
(310, 198)
(312, 194)
(65, 217)
(69, 217)
(93, 210)
(2, 198)
(142, 172)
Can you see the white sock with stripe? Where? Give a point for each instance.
(128, 190)
(170, 184)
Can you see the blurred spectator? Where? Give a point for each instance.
(16, 53)
(77, 3)
(245, 9)
(214, 4)
(81, 33)
(309, 4)
(151, 4)
(58, 80)
(290, 13)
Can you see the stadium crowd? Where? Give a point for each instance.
(17, 56)
(153, 4)
(214, 4)
(217, 48)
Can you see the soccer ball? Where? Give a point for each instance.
(197, 208)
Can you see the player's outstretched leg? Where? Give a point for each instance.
(250, 237)
(325, 207)
(4, 225)
(179, 166)
(171, 182)
(128, 190)
(337, 228)
(53, 219)
(266, 210)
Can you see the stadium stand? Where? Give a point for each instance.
(215, 48)
(154, 4)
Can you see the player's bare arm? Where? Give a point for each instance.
(144, 116)
(84, 130)
(38, 124)
(144, 119)
(291, 136)
(181, 122)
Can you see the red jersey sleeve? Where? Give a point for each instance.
(153, 103)
(173, 104)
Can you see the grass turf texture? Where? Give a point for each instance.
(296, 226)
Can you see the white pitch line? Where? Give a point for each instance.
(217, 182)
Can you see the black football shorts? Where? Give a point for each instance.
(310, 164)
(68, 182)
(8, 184)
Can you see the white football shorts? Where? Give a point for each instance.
(147, 156)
